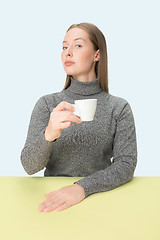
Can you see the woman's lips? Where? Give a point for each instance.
(69, 63)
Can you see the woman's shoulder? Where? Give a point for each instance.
(47, 100)
(117, 100)
(119, 104)
(50, 97)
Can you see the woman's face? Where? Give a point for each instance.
(79, 49)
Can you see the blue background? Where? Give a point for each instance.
(30, 67)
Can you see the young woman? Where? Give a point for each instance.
(103, 151)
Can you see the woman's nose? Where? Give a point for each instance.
(69, 52)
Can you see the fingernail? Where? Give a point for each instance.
(45, 210)
(40, 209)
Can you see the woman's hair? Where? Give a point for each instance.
(98, 40)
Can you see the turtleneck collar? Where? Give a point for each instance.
(84, 88)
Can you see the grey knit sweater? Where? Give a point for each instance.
(102, 151)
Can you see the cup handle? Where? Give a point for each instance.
(75, 112)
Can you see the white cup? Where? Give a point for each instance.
(85, 109)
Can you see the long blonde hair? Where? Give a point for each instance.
(98, 40)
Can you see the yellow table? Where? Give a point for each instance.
(131, 211)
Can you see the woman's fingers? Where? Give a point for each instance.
(63, 199)
(64, 105)
(61, 205)
(70, 118)
(51, 204)
(59, 120)
(66, 116)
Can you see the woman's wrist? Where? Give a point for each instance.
(48, 137)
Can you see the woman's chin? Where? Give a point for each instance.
(70, 72)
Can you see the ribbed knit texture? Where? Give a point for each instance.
(102, 151)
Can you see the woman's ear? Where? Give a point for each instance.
(97, 56)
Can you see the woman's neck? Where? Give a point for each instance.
(85, 78)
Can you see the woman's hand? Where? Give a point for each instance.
(63, 198)
(60, 119)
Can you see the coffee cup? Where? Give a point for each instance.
(85, 109)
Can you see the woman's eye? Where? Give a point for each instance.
(76, 45)
(79, 45)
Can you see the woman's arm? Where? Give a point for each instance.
(36, 152)
(124, 158)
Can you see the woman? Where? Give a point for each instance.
(103, 151)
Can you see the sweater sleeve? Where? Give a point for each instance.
(124, 161)
(36, 152)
